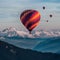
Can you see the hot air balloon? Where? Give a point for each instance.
(30, 19)
(50, 15)
(43, 7)
(47, 21)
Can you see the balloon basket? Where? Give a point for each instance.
(29, 32)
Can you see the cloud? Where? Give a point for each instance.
(12, 32)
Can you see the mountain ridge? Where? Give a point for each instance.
(11, 52)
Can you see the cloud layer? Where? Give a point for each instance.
(12, 32)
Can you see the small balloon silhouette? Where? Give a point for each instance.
(47, 21)
(50, 15)
(43, 7)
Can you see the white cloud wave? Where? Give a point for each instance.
(12, 32)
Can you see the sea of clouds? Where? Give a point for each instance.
(12, 32)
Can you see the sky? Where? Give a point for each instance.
(10, 11)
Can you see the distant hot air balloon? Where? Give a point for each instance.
(47, 21)
(43, 7)
(30, 19)
(50, 15)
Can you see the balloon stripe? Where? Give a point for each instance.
(33, 22)
(27, 13)
(24, 12)
(33, 26)
(35, 14)
(30, 20)
(27, 17)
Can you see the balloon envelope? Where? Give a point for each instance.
(30, 19)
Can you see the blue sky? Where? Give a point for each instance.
(10, 11)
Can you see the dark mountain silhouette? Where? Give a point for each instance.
(10, 52)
